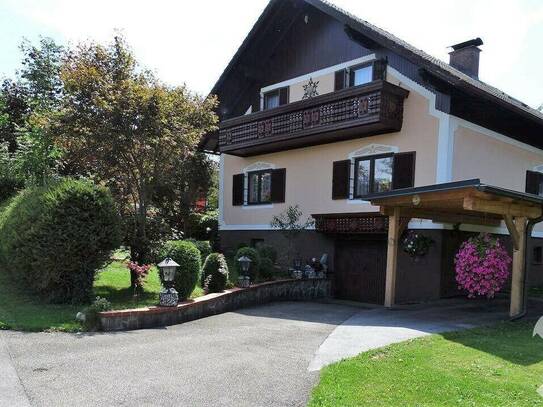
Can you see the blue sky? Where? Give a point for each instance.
(187, 41)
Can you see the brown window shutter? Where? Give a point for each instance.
(278, 183)
(283, 96)
(403, 172)
(340, 179)
(533, 180)
(379, 70)
(237, 189)
(339, 79)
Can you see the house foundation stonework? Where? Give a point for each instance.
(389, 139)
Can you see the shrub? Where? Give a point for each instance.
(54, 238)
(267, 251)
(255, 261)
(187, 256)
(9, 187)
(266, 269)
(204, 226)
(203, 246)
(91, 322)
(215, 273)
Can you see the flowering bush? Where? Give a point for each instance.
(415, 244)
(482, 266)
(140, 273)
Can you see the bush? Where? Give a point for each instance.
(203, 246)
(9, 187)
(54, 238)
(204, 226)
(91, 322)
(255, 261)
(266, 269)
(187, 256)
(215, 273)
(267, 251)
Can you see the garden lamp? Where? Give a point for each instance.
(245, 263)
(168, 295)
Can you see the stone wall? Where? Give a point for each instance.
(217, 303)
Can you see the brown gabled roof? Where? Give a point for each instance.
(388, 40)
(437, 66)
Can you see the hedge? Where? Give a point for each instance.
(187, 256)
(54, 238)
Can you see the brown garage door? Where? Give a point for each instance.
(360, 268)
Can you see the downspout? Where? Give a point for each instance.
(529, 229)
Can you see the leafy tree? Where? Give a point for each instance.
(290, 225)
(128, 130)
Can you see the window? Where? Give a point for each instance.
(276, 98)
(373, 174)
(361, 75)
(259, 187)
(271, 99)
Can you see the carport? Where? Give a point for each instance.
(465, 202)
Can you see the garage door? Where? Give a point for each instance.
(360, 268)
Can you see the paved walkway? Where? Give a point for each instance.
(370, 329)
(253, 357)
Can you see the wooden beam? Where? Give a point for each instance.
(403, 224)
(392, 257)
(512, 230)
(446, 216)
(501, 208)
(517, 277)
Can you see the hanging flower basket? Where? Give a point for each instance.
(416, 244)
(482, 266)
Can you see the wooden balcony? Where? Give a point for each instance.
(365, 110)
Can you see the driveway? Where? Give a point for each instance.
(261, 356)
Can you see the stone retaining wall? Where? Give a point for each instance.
(216, 303)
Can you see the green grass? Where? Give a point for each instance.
(501, 365)
(21, 311)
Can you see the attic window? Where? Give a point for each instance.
(361, 75)
(276, 98)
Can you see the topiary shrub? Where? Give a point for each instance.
(255, 261)
(267, 251)
(54, 238)
(187, 256)
(215, 273)
(203, 246)
(266, 269)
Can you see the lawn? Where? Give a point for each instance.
(501, 365)
(19, 310)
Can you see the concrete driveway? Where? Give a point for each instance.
(261, 356)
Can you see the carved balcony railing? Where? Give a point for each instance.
(351, 223)
(364, 110)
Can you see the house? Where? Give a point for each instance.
(371, 136)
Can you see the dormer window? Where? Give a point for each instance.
(276, 98)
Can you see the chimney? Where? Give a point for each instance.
(465, 57)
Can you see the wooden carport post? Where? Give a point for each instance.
(392, 256)
(517, 230)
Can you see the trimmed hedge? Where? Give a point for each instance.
(203, 246)
(266, 269)
(188, 257)
(267, 251)
(255, 261)
(215, 273)
(54, 238)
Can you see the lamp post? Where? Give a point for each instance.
(168, 295)
(245, 263)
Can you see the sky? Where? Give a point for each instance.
(191, 41)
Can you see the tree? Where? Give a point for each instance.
(129, 131)
(290, 225)
(29, 105)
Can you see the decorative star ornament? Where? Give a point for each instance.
(310, 89)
